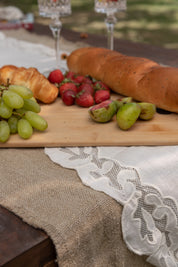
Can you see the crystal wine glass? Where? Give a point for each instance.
(110, 7)
(55, 9)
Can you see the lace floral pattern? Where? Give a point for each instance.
(149, 219)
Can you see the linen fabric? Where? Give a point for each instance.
(22, 53)
(142, 179)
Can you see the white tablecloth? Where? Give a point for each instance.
(143, 179)
(22, 53)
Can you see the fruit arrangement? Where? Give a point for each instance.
(87, 92)
(80, 90)
(127, 112)
(19, 112)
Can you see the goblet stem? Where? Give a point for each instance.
(55, 27)
(110, 23)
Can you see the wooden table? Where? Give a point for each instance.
(22, 245)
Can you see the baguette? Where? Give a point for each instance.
(140, 78)
(42, 89)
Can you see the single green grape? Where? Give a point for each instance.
(12, 121)
(33, 98)
(36, 120)
(23, 91)
(5, 111)
(12, 99)
(19, 111)
(24, 129)
(4, 131)
(30, 104)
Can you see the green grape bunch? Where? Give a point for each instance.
(19, 112)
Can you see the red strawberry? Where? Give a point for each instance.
(56, 76)
(98, 85)
(70, 75)
(88, 80)
(101, 96)
(86, 87)
(84, 99)
(79, 79)
(68, 97)
(66, 86)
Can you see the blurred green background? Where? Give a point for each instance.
(147, 21)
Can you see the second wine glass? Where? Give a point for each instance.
(55, 9)
(110, 7)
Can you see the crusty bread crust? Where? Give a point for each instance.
(42, 89)
(140, 78)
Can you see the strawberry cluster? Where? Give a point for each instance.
(83, 91)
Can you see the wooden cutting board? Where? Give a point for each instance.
(72, 126)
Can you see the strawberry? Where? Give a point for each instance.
(86, 87)
(84, 99)
(68, 97)
(67, 85)
(88, 80)
(70, 75)
(56, 76)
(79, 79)
(98, 85)
(101, 96)
(82, 79)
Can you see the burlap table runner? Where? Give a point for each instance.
(84, 224)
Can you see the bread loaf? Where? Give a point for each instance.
(42, 89)
(140, 78)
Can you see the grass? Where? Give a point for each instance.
(150, 21)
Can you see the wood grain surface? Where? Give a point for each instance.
(22, 245)
(72, 126)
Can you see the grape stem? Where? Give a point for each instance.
(18, 114)
(4, 87)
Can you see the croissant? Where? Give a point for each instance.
(42, 89)
(140, 78)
